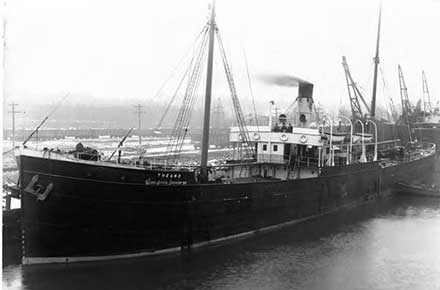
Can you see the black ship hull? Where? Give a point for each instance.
(418, 190)
(429, 134)
(95, 211)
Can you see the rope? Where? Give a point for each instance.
(237, 108)
(251, 91)
(159, 125)
(387, 94)
(8, 151)
(181, 124)
(192, 92)
(291, 107)
(370, 75)
(45, 119)
(58, 104)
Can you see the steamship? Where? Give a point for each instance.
(423, 119)
(84, 209)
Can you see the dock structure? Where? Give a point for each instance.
(47, 134)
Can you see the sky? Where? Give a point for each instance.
(122, 52)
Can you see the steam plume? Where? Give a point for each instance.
(282, 80)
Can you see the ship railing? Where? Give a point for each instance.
(338, 161)
(304, 161)
(380, 145)
(164, 165)
(101, 159)
(413, 156)
(340, 158)
(73, 155)
(423, 151)
(429, 146)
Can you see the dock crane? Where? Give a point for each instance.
(427, 106)
(407, 110)
(353, 90)
(355, 95)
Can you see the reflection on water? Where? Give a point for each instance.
(392, 244)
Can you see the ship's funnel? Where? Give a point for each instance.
(302, 117)
(305, 90)
(305, 104)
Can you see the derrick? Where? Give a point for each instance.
(354, 94)
(427, 105)
(407, 110)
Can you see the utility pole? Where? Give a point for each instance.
(139, 112)
(13, 112)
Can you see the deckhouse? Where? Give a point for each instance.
(299, 148)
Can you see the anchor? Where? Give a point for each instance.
(38, 189)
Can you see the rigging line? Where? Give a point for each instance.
(368, 86)
(251, 90)
(192, 102)
(364, 89)
(388, 106)
(387, 86)
(180, 121)
(316, 110)
(190, 79)
(291, 107)
(229, 85)
(194, 91)
(192, 94)
(58, 104)
(239, 116)
(35, 131)
(179, 86)
(180, 61)
(8, 151)
(236, 102)
(197, 52)
(387, 94)
(159, 125)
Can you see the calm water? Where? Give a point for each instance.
(392, 244)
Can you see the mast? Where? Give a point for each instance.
(207, 112)
(376, 65)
